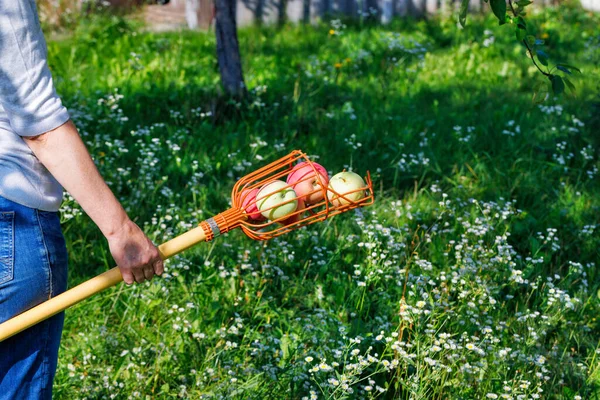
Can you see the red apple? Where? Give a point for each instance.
(249, 204)
(305, 181)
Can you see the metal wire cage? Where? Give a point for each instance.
(331, 203)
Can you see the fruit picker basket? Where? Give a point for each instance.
(265, 205)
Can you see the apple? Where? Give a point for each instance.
(306, 183)
(347, 184)
(276, 200)
(249, 204)
(295, 218)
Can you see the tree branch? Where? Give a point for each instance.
(512, 9)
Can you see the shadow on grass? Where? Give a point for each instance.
(390, 127)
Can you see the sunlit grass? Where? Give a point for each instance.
(474, 274)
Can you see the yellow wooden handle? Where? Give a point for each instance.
(89, 288)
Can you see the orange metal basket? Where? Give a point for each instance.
(320, 211)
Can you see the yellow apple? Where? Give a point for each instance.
(347, 184)
(276, 200)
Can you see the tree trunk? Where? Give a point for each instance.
(282, 12)
(305, 11)
(228, 49)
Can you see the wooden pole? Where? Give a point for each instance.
(89, 288)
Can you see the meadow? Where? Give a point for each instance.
(474, 276)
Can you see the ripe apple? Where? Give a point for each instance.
(249, 204)
(276, 200)
(347, 184)
(305, 181)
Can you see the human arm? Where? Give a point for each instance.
(36, 113)
(64, 154)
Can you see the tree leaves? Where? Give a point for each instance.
(568, 67)
(563, 69)
(499, 9)
(569, 85)
(531, 41)
(540, 92)
(520, 33)
(543, 57)
(533, 45)
(462, 12)
(558, 86)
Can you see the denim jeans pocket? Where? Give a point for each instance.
(7, 245)
(56, 250)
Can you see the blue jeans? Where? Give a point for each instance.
(33, 268)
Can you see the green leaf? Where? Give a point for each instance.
(568, 392)
(520, 34)
(530, 40)
(499, 9)
(540, 92)
(569, 84)
(284, 344)
(523, 3)
(543, 57)
(462, 12)
(563, 69)
(154, 303)
(558, 86)
(569, 66)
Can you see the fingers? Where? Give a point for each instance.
(145, 272)
(148, 272)
(159, 267)
(138, 275)
(127, 276)
(138, 258)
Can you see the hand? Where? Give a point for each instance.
(135, 254)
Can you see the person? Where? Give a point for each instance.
(40, 153)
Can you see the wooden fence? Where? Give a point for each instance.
(199, 13)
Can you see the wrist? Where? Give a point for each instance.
(118, 228)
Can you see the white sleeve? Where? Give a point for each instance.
(27, 92)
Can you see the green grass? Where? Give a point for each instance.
(474, 274)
